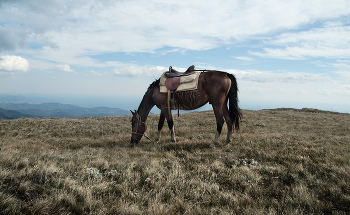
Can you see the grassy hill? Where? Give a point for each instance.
(283, 161)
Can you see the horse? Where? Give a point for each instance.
(215, 87)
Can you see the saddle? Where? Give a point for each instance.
(173, 79)
(174, 73)
(180, 83)
(172, 83)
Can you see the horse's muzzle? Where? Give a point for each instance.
(134, 141)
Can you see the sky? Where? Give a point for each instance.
(106, 52)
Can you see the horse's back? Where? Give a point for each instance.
(212, 85)
(215, 83)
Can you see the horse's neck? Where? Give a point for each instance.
(146, 105)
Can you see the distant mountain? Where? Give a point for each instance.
(43, 106)
(11, 114)
(59, 110)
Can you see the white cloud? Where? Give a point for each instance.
(273, 77)
(342, 66)
(330, 41)
(135, 70)
(345, 87)
(339, 69)
(263, 90)
(79, 28)
(11, 63)
(342, 90)
(95, 73)
(244, 58)
(64, 67)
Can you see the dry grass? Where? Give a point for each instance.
(282, 162)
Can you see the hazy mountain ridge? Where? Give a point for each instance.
(41, 106)
(11, 114)
(28, 110)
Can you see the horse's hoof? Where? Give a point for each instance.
(215, 142)
(212, 145)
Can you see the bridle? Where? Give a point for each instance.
(139, 121)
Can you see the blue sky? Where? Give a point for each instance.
(100, 52)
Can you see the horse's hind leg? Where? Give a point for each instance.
(219, 122)
(160, 125)
(228, 122)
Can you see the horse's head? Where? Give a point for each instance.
(138, 127)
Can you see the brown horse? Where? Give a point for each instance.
(214, 87)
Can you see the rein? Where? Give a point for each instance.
(138, 117)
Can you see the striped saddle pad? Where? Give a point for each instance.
(182, 83)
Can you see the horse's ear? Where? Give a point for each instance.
(132, 112)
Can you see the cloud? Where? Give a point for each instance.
(137, 71)
(23, 22)
(343, 90)
(330, 41)
(274, 77)
(64, 67)
(244, 58)
(342, 66)
(95, 73)
(340, 69)
(92, 27)
(263, 90)
(11, 63)
(11, 39)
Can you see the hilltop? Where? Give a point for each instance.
(283, 161)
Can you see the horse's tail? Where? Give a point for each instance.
(235, 112)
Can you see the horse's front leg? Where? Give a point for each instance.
(170, 121)
(160, 125)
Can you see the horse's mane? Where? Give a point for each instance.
(155, 83)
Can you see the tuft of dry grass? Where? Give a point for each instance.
(283, 161)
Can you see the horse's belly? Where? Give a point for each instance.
(189, 100)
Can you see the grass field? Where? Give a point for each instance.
(283, 161)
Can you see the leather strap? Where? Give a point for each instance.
(169, 94)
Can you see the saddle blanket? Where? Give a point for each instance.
(187, 82)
